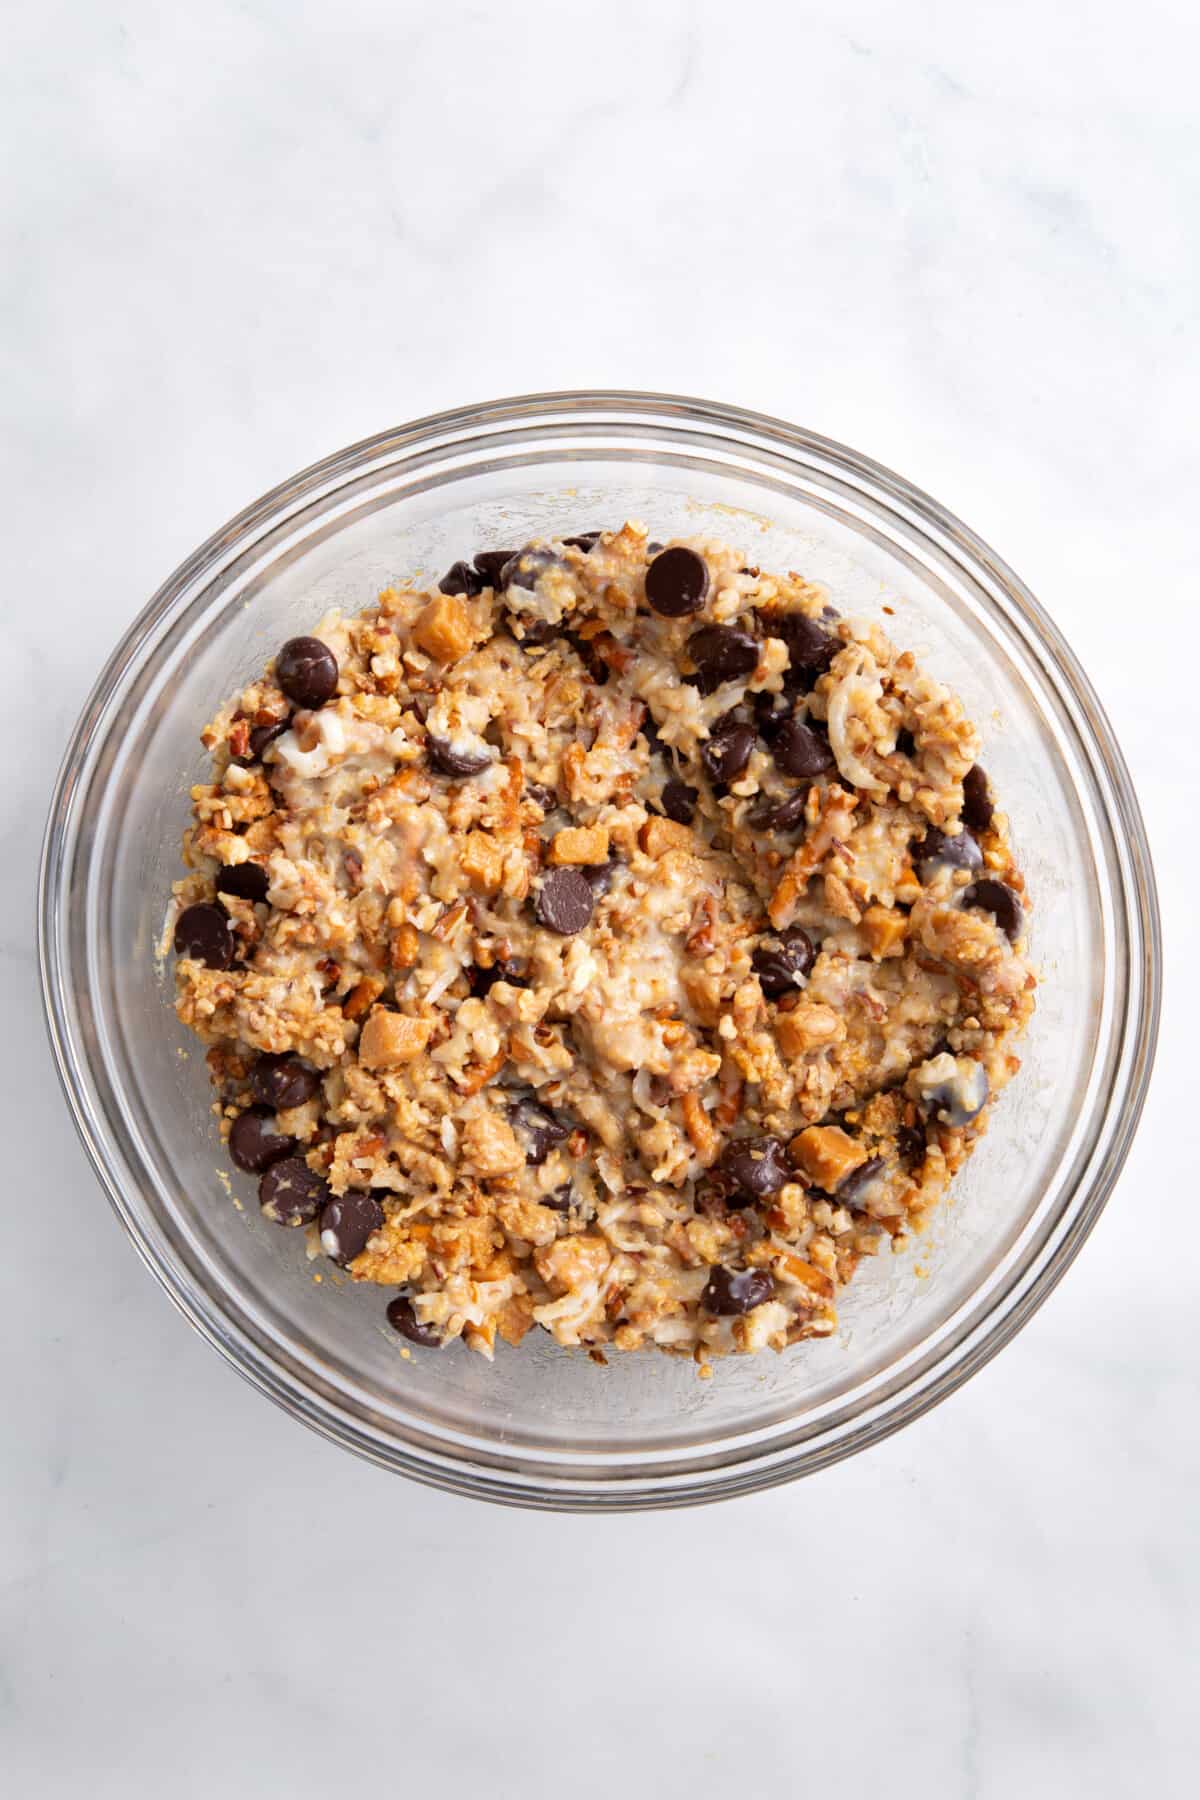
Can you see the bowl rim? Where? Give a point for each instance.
(962, 1354)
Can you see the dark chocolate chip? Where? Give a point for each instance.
(678, 800)
(347, 1221)
(461, 578)
(757, 1166)
(653, 548)
(779, 815)
(307, 671)
(727, 753)
(565, 901)
(491, 563)
(937, 851)
(402, 1318)
(961, 1096)
(906, 743)
(203, 933)
(532, 633)
(977, 800)
(676, 583)
(586, 540)
(910, 1145)
(545, 797)
(539, 1128)
(482, 981)
(720, 654)
(771, 714)
(850, 1191)
(561, 1200)
(255, 1142)
(589, 655)
(779, 962)
(800, 750)
(1000, 901)
(600, 876)
(445, 760)
(525, 569)
(290, 1193)
(811, 649)
(731, 1291)
(262, 735)
(248, 880)
(282, 1082)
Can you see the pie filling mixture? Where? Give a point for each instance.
(611, 939)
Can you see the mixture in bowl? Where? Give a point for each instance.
(612, 939)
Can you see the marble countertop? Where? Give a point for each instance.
(961, 239)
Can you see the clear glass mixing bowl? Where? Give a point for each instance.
(543, 1426)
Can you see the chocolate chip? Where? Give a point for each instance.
(955, 1090)
(347, 1221)
(307, 671)
(810, 648)
(248, 880)
(402, 1318)
(771, 714)
(262, 735)
(461, 578)
(290, 1193)
(727, 753)
(851, 1191)
(800, 750)
(203, 933)
(589, 655)
(543, 796)
(561, 1200)
(565, 901)
(445, 760)
(255, 1142)
(977, 806)
(937, 851)
(1000, 901)
(906, 743)
(910, 1145)
(676, 583)
(525, 569)
(540, 1129)
(532, 633)
(600, 876)
(678, 800)
(779, 962)
(721, 653)
(756, 1166)
(491, 563)
(731, 1291)
(282, 1082)
(481, 981)
(587, 540)
(779, 815)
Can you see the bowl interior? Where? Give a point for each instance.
(314, 1338)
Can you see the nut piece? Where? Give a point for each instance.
(579, 844)
(391, 1038)
(827, 1155)
(490, 1145)
(657, 836)
(365, 993)
(482, 861)
(809, 1026)
(444, 628)
(885, 931)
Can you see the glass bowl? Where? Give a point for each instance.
(543, 1426)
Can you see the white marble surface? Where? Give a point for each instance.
(962, 238)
